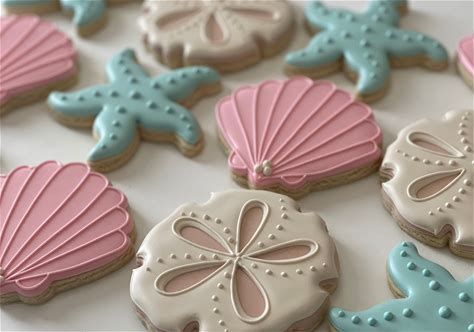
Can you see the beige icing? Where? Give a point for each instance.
(258, 268)
(214, 30)
(432, 162)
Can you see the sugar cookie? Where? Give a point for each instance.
(430, 299)
(133, 106)
(296, 136)
(227, 35)
(35, 58)
(465, 59)
(429, 174)
(61, 226)
(364, 45)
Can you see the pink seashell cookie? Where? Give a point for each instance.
(296, 136)
(243, 261)
(429, 172)
(225, 34)
(35, 58)
(60, 226)
(465, 59)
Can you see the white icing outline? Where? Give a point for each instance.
(245, 208)
(459, 171)
(314, 247)
(435, 141)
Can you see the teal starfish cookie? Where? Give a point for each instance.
(431, 299)
(134, 105)
(364, 46)
(87, 14)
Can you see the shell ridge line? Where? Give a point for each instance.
(255, 119)
(34, 171)
(285, 117)
(313, 148)
(38, 59)
(7, 24)
(301, 125)
(94, 240)
(52, 236)
(35, 23)
(15, 62)
(47, 219)
(246, 138)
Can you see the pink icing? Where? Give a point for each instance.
(34, 53)
(307, 131)
(466, 53)
(58, 221)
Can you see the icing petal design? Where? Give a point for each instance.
(430, 167)
(57, 222)
(227, 35)
(134, 104)
(295, 132)
(365, 43)
(234, 261)
(432, 299)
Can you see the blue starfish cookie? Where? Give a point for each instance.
(364, 45)
(88, 14)
(432, 300)
(134, 105)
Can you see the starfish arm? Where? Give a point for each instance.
(116, 131)
(321, 51)
(319, 17)
(123, 69)
(30, 3)
(386, 11)
(404, 43)
(171, 118)
(181, 84)
(86, 103)
(85, 11)
(372, 68)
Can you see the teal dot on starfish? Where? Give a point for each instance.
(372, 321)
(407, 312)
(405, 244)
(463, 297)
(445, 312)
(171, 80)
(365, 28)
(121, 109)
(420, 37)
(183, 117)
(364, 43)
(470, 328)
(183, 75)
(113, 136)
(388, 316)
(389, 34)
(411, 266)
(155, 85)
(126, 71)
(151, 104)
(103, 147)
(135, 94)
(63, 98)
(407, 38)
(97, 93)
(355, 319)
(426, 272)
(80, 98)
(113, 93)
(116, 123)
(341, 313)
(345, 34)
(434, 285)
(132, 80)
(403, 253)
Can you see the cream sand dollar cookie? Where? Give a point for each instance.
(429, 169)
(243, 261)
(226, 34)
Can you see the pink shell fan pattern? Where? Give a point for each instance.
(33, 54)
(57, 222)
(294, 132)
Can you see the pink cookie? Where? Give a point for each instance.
(465, 59)
(297, 136)
(35, 58)
(61, 226)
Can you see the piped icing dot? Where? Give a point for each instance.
(355, 319)
(284, 274)
(214, 298)
(470, 328)
(220, 286)
(388, 316)
(299, 271)
(411, 266)
(341, 313)
(407, 312)
(403, 253)
(279, 227)
(268, 272)
(284, 216)
(372, 321)
(445, 312)
(464, 297)
(434, 285)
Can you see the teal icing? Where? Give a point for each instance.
(133, 100)
(364, 41)
(85, 11)
(448, 307)
(13, 3)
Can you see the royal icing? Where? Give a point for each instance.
(243, 261)
(57, 222)
(33, 54)
(365, 42)
(434, 301)
(432, 167)
(465, 53)
(214, 32)
(133, 102)
(289, 133)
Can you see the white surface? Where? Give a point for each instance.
(159, 178)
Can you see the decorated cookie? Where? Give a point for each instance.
(296, 136)
(243, 261)
(364, 46)
(35, 58)
(430, 299)
(88, 15)
(133, 106)
(465, 59)
(61, 226)
(429, 169)
(228, 34)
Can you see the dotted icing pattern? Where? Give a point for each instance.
(133, 100)
(365, 42)
(434, 301)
